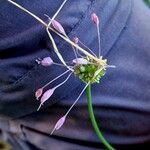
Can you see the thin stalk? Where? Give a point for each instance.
(76, 100)
(99, 41)
(93, 120)
(56, 49)
(87, 48)
(63, 81)
(55, 79)
(64, 2)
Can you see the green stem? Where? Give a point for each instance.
(93, 120)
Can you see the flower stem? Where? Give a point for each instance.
(93, 120)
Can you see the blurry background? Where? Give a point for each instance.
(148, 2)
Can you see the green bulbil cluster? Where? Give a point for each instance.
(89, 73)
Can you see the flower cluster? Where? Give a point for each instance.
(84, 67)
(88, 67)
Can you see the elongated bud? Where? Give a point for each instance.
(47, 61)
(38, 93)
(59, 124)
(80, 61)
(76, 40)
(95, 19)
(47, 95)
(58, 27)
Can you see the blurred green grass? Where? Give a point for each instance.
(147, 2)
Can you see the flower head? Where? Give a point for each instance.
(88, 69)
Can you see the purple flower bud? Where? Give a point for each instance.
(95, 18)
(47, 61)
(38, 93)
(76, 40)
(80, 61)
(58, 27)
(47, 95)
(59, 124)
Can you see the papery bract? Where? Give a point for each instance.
(95, 18)
(38, 93)
(47, 95)
(47, 61)
(80, 61)
(58, 27)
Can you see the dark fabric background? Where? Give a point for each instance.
(121, 101)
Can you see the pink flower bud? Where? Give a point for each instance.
(80, 61)
(38, 93)
(59, 124)
(95, 18)
(47, 61)
(76, 40)
(47, 95)
(58, 27)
